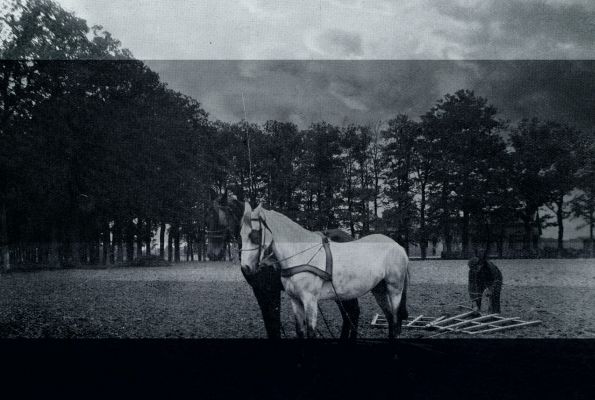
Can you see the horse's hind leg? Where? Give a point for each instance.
(350, 314)
(380, 293)
(395, 296)
(344, 317)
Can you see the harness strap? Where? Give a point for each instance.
(286, 273)
(326, 275)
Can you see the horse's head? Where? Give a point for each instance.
(218, 229)
(256, 239)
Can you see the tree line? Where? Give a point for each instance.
(97, 155)
(459, 174)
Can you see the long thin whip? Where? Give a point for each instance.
(248, 142)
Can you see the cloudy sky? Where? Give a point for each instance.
(347, 29)
(360, 61)
(327, 59)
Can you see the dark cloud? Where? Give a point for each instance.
(514, 29)
(367, 91)
(340, 43)
(558, 90)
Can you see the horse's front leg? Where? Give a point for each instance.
(299, 317)
(311, 313)
(304, 290)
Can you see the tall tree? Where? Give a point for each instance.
(320, 173)
(538, 165)
(281, 152)
(377, 165)
(566, 163)
(422, 176)
(400, 137)
(583, 205)
(464, 133)
(358, 183)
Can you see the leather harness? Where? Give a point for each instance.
(326, 274)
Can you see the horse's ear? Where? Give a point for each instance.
(247, 208)
(247, 217)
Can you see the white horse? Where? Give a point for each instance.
(374, 263)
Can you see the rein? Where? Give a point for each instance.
(216, 234)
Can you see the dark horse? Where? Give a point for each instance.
(223, 225)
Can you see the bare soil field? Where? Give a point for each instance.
(211, 300)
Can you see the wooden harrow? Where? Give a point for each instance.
(469, 322)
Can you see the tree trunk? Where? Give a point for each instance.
(406, 238)
(350, 204)
(177, 244)
(376, 193)
(107, 250)
(501, 242)
(148, 236)
(119, 240)
(447, 238)
(592, 241)
(139, 239)
(445, 220)
(591, 225)
(364, 225)
(528, 237)
(465, 235)
(93, 249)
(75, 244)
(161, 240)
(423, 249)
(351, 222)
(111, 254)
(53, 256)
(488, 241)
(367, 216)
(423, 242)
(4, 249)
(187, 249)
(130, 241)
(170, 242)
(560, 221)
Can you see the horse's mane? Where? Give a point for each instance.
(286, 229)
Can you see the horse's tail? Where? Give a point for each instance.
(402, 310)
